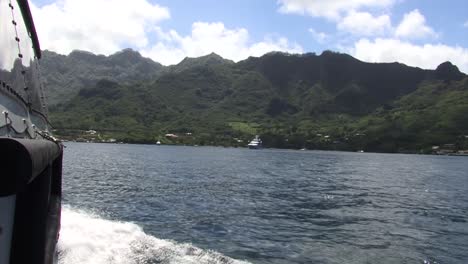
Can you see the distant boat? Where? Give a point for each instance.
(158, 142)
(256, 143)
(360, 151)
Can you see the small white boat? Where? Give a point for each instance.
(256, 143)
(158, 142)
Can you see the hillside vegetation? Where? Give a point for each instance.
(327, 101)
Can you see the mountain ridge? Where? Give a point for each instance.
(287, 98)
(65, 75)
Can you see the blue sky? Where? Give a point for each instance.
(415, 32)
(262, 18)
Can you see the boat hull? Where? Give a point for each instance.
(32, 175)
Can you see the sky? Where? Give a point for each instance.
(421, 33)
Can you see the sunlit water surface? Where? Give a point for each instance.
(167, 204)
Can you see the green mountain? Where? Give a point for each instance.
(327, 101)
(64, 76)
(203, 61)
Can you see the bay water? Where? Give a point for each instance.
(174, 204)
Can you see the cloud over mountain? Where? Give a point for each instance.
(426, 56)
(104, 27)
(95, 25)
(414, 26)
(205, 38)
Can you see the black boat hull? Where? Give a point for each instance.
(32, 174)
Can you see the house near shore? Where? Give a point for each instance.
(171, 136)
(91, 132)
(445, 149)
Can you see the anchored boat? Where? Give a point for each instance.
(30, 157)
(256, 143)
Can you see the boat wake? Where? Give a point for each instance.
(87, 238)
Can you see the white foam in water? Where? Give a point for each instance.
(88, 238)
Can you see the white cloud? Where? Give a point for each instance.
(426, 56)
(320, 37)
(365, 24)
(331, 9)
(105, 27)
(99, 26)
(205, 38)
(414, 26)
(466, 24)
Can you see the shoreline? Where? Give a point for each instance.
(266, 148)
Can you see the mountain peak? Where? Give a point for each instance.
(448, 72)
(85, 56)
(209, 57)
(206, 60)
(213, 54)
(85, 52)
(130, 57)
(126, 54)
(128, 51)
(333, 54)
(81, 54)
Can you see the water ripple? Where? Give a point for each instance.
(277, 206)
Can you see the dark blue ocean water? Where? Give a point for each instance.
(168, 204)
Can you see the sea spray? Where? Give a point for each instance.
(88, 238)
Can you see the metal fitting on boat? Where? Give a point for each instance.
(5, 113)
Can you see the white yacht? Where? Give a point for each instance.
(256, 143)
